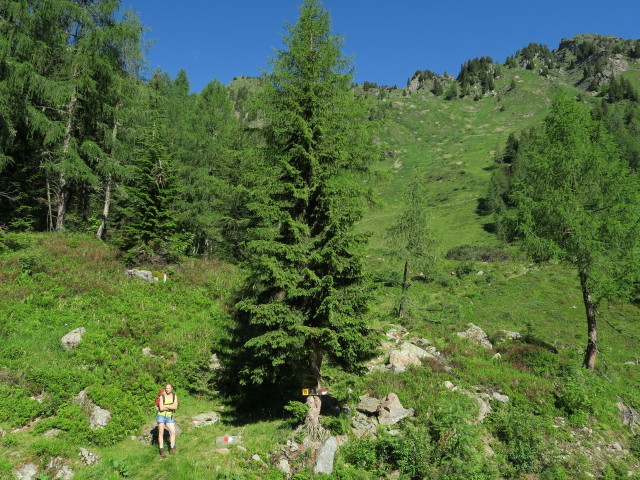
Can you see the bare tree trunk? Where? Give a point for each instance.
(49, 207)
(105, 209)
(312, 422)
(63, 190)
(592, 330)
(405, 287)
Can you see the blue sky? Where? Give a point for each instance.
(388, 40)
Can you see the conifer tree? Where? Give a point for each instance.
(576, 201)
(308, 297)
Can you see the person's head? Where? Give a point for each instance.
(168, 388)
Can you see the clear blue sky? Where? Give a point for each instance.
(388, 40)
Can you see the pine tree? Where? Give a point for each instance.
(308, 297)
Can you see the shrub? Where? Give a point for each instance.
(634, 445)
(574, 399)
(298, 410)
(464, 268)
(532, 358)
(478, 253)
(521, 433)
(361, 454)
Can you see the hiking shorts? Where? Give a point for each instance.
(163, 419)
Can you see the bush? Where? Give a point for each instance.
(634, 445)
(532, 358)
(575, 399)
(298, 410)
(478, 253)
(521, 434)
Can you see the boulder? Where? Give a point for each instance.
(477, 335)
(283, 466)
(98, 417)
(501, 398)
(629, 416)
(368, 404)
(87, 457)
(227, 439)
(208, 418)
(325, 456)
(142, 274)
(27, 472)
(391, 410)
(57, 468)
(363, 426)
(73, 338)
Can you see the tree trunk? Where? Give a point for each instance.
(63, 190)
(312, 422)
(592, 330)
(405, 287)
(105, 209)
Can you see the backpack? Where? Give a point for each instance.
(161, 397)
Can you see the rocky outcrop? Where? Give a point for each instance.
(98, 417)
(373, 412)
(145, 275)
(27, 472)
(483, 400)
(87, 457)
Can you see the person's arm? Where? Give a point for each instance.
(174, 405)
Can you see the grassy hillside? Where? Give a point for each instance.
(560, 421)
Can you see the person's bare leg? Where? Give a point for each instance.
(172, 437)
(161, 438)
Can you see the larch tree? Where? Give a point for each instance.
(410, 239)
(576, 201)
(307, 295)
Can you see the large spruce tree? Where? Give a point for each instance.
(307, 295)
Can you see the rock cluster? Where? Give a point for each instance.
(98, 417)
(373, 412)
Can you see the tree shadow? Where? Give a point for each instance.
(484, 208)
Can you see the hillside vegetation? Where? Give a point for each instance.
(514, 404)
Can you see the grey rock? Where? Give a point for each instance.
(87, 457)
(27, 472)
(228, 439)
(629, 415)
(449, 385)
(54, 432)
(73, 338)
(214, 362)
(615, 446)
(208, 418)
(98, 417)
(2, 433)
(57, 468)
(363, 426)
(391, 410)
(500, 398)
(326, 455)
(283, 466)
(477, 335)
(256, 458)
(368, 404)
(142, 274)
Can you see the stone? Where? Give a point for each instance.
(283, 466)
(73, 338)
(87, 457)
(57, 468)
(477, 335)
(449, 385)
(53, 433)
(208, 418)
(142, 274)
(214, 362)
(615, 446)
(98, 417)
(391, 410)
(497, 356)
(363, 427)
(27, 472)
(510, 335)
(2, 433)
(501, 398)
(629, 415)
(325, 457)
(368, 404)
(227, 439)
(256, 458)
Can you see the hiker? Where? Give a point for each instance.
(167, 403)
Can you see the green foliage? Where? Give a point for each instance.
(634, 445)
(521, 433)
(477, 253)
(307, 294)
(575, 398)
(298, 410)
